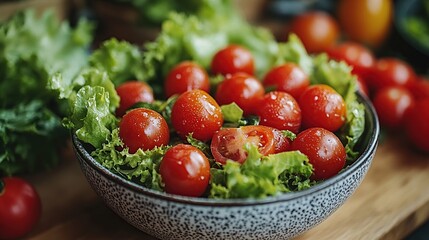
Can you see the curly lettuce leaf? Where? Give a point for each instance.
(91, 118)
(121, 60)
(140, 167)
(261, 176)
(294, 51)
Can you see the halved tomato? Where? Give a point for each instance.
(228, 143)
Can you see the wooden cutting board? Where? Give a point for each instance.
(391, 202)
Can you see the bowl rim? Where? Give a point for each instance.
(362, 159)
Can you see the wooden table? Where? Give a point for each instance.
(392, 201)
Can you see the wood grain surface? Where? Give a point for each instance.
(392, 201)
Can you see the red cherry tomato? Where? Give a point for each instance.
(131, 93)
(143, 128)
(317, 30)
(289, 78)
(279, 110)
(281, 142)
(417, 127)
(324, 150)
(20, 207)
(322, 106)
(186, 76)
(391, 104)
(196, 112)
(233, 59)
(228, 143)
(391, 72)
(356, 55)
(185, 171)
(420, 88)
(241, 88)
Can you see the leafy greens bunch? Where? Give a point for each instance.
(31, 50)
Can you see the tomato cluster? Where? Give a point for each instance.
(397, 92)
(365, 21)
(291, 106)
(390, 83)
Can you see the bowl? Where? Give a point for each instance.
(168, 216)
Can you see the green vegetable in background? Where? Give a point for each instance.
(23, 130)
(31, 50)
(417, 25)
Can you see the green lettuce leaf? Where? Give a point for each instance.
(231, 113)
(260, 176)
(121, 60)
(140, 167)
(91, 118)
(294, 51)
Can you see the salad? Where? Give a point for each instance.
(202, 111)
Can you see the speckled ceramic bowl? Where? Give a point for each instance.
(167, 216)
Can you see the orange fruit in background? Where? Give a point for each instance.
(365, 21)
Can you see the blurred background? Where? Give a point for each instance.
(398, 28)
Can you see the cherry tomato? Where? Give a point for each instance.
(186, 76)
(131, 93)
(185, 171)
(354, 54)
(420, 88)
(365, 21)
(143, 128)
(417, 127)
(233, 59)
(391, 72)
(198, 113)
(241, 88)
(317, 30)
(391, 104)
(323, 107)
(20, 207)
(324, 150)
(289, 78)
(281, 142)
(228, 143)
(279, 110)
